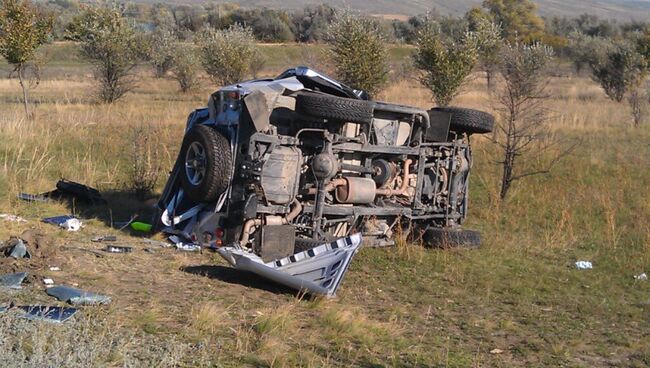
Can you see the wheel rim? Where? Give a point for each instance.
(195, 163)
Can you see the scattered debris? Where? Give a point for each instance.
(141, 226)
(97, 254)
(55, 268)
(158, 243)
(67, 222)
(583, 265)
(641, 277)
(76, 296)
(69, 190)
(48, 313)
(105, 238)
(12, 218)
(496, 351)
(17, 249)
(118, 249)
(189, 247)
(47, 281)
(13, 280)
(40, 245)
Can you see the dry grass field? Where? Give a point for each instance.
(402, 307)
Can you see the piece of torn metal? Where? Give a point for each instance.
(66, 189)
(319, 270)
(47, 313)
(18, 250)
(104, 238)
(13, 280)
(76, 296)
(118, 249)
(185, 246)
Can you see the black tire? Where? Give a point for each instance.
(468, 121)
(435, 237)
(334, 108)
(217, 164)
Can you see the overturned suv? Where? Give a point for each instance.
(279, 166)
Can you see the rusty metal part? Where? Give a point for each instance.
(357, 190)
(405, 182)
(330, 186)
(270, 220)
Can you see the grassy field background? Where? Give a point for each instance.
(404, 307)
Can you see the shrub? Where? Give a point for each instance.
(112, 45)
(185, 66)
(162, 50)
(444, 63)
(357, 48)
(619, 69)
(145, 165)
(227, 55)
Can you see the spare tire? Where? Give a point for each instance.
(445, 238)
(468, 121)
(206, 164)
(334, 108)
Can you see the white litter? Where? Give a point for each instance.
(12, 218)
(641, 277)
(48, 281)
(496, 351)
(72, 224)
(55, 269)
(584, 265)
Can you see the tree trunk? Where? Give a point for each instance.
(21, 79)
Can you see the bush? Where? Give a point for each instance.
(145, 160)
(162, 50)
(112, 45)
(357, 48)
(444, 64)
(619, 69)
(185, 66)
(227, 55)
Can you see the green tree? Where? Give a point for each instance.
(162, 42)
(518, 19)
(112, 45)
(23, 29)
(444, 64)
(227, 55)
(619, 69)
(185, 66)
(488, 39)
(358, 50)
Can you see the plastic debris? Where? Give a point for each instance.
(105, 238)
(12, 218)
(48, 313)
(584, 265)
(69, 190)
(19, 250)
(67, 222)
(141, 226)
(13, 280)
(641, 277)
(47, 281)
(496, 351)
(76, 296)
(118, 249)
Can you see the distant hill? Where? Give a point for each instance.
(618, 9)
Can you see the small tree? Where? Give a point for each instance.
(358, 51)
(444, 64)
(185, 66)
(162, 44)
(488, 39)
(112, 45)
(523, 128)
(227, 55)
(518, 19)
(637, 100)
(23, 29)
(620, 69)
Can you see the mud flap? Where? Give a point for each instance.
(319, 270)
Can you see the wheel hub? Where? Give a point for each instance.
(195, 163)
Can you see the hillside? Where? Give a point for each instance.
(619, 9)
